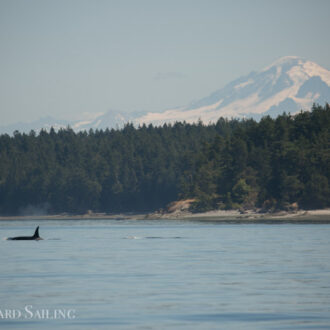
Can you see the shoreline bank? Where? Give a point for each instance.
(232, 216)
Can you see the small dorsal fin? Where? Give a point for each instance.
(36, 233)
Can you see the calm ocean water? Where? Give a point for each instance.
(115, 274)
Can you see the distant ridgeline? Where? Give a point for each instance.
(270, 164)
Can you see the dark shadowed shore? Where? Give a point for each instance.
(233, 216)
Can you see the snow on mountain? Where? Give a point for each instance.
(110, 119)
(289, 84)
(43, 123)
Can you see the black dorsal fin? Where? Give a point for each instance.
(36, 233)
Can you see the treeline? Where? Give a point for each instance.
(275, 164)
(271, 164)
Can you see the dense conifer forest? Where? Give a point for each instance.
(272, 164)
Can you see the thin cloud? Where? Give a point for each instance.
(169, 75)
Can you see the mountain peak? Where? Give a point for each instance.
(287, 59)
(290, 84)
(294, 65)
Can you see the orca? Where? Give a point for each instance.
(35, 237)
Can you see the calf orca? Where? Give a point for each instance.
(35, 237)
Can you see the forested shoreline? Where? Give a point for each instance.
(232, 164)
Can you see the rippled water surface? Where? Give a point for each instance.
(112, 274)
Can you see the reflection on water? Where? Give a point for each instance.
(165, 274)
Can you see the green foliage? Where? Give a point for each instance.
(230, 164)
(270, 164)
(132, 169)
(241, 191)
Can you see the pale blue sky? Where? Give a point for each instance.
(66, 57)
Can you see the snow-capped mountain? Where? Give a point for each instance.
(43, 123)
(110, 119)
(289, 84)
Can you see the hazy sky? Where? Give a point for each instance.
(64, 58)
